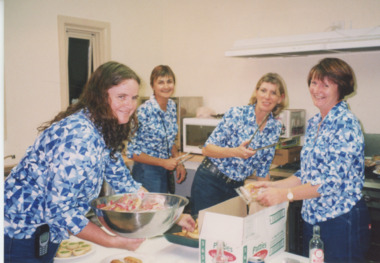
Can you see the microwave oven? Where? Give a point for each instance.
(293, 122)
(195, 133)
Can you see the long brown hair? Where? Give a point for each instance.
(275, 79)
(94, 98)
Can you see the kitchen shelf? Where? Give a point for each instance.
(338, 41)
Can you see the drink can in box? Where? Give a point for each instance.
(255, 260)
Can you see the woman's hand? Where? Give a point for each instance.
(180, 173)
(186, 222)
(127, 243)
(93, 233)
(243, 152)
(169, 164)
(272, 196)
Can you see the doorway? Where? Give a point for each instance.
(83, 45)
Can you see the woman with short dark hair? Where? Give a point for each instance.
(153, 148)
(331, 177)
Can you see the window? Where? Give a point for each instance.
(83, 46)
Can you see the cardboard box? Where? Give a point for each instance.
(260, 231)
(289, 155)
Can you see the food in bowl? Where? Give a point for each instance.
(369, 163)
(194, 234)
(134, 202)
(156, 214)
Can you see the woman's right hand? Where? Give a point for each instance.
(170, 164)
(127, 243)
(93, 233)
(243, 152)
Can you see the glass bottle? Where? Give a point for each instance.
(316, 251)
(219, 256)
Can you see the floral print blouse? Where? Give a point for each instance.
(157, 130)
(238, 125)
(332, 157)
(58, 177)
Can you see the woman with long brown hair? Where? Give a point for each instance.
(52, 186)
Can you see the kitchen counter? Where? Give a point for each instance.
(159, 250)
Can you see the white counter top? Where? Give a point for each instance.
(153, 250)
(159, 250)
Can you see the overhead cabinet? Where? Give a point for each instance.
(338, 41)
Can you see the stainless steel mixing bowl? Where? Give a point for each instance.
(142, 224)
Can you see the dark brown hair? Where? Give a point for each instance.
(275, 79)
(94, 98)
(337, 71)
(161, 71)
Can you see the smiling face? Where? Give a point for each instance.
(122, 99)
(268, 96)
(163, 87)
(324, 93)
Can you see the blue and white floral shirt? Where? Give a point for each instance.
(238, 125)
(157, 130)
(58, 177)
(333, 158)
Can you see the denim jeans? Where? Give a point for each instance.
(153, 178)
(23, 250)
(346, 238)
(208, 190)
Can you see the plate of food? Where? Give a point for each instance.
(179, 236)
(127, 258)
(70, 250)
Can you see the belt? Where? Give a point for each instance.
(215, 172)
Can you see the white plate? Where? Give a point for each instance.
(75, 258)
(144, 258)
(72, 258)
(376, 172)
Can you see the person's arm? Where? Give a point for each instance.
(169, 164)
(118, 176)
(95, 234)
(276, 192)
(266, 178)
(180, 168)
(214, 151)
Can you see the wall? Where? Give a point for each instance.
(191, 37)
(32, 79)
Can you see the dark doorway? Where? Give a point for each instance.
(79, 66)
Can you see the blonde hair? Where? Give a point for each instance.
(277, 80)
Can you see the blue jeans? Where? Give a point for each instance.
(208, 190)
(346, 238)
(23, 250)
(153, 178)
